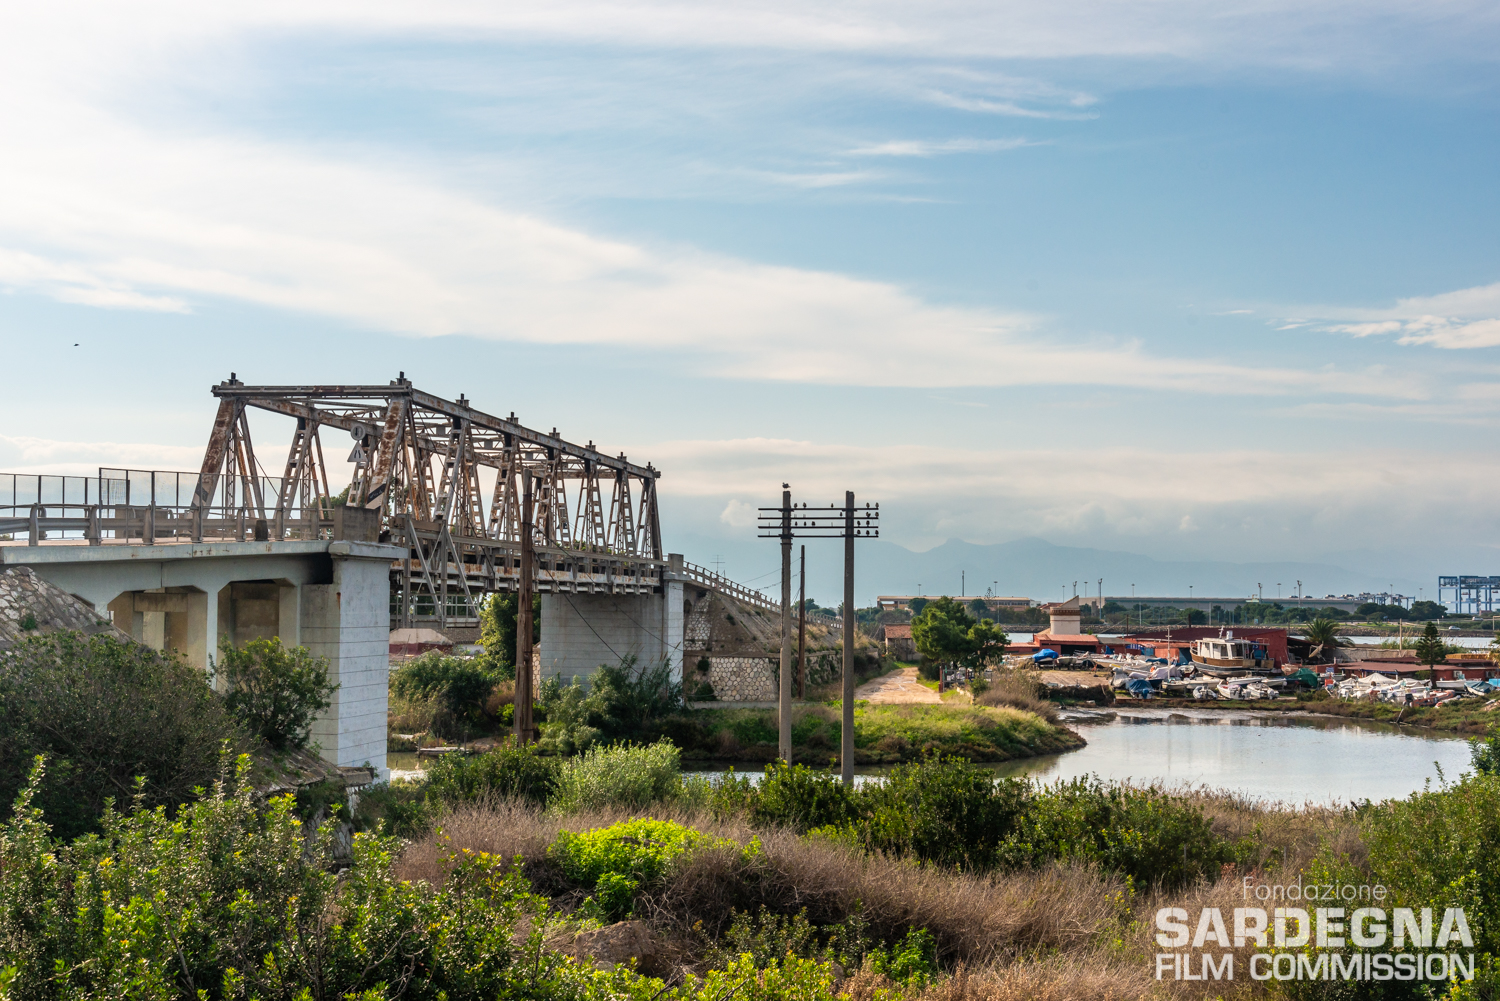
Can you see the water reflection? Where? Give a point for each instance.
(1269, 756)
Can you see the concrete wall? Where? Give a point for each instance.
(581, 631)
(348, 621)
(332, 597)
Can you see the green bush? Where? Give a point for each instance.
(508, 772)
(1154, 838)
(941, 810)
(105, 711)
(801, 798)
(571, 716)
(1436, 848)
(616, 862)
(231, 901)
(768, 939)
(628, 775)
(398, 809)
(623, 701)
(463, 685)
(275, 692)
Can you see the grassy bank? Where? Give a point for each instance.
(613, 877)
(883, 734)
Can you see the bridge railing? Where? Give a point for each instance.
(718, 582)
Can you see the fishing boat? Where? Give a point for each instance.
(1236, 689)
(1224, 656)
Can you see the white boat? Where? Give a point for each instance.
(1222, 656)
(1245, 689)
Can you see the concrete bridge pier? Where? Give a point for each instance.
(332, 597)
(581, 631)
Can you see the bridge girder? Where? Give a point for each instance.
(426, 466)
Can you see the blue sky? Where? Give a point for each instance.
(1204, 281)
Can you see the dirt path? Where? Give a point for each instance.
(898, 686)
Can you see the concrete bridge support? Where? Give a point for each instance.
(582, 631)
(332, 597)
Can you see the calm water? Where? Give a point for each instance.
(1271, 756)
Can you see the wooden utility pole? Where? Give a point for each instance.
(784, 688)
(524, 695)
(802, 627)
(832, 522)
(846, 745)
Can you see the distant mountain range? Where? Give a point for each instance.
(1038, 569)
(1035, 568)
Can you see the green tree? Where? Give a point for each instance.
(105, 711)
(497, 632)
(1428, 610)
(275, 692)
(946, 633)
(1323, 635)
(1431, 650)
(916, 605)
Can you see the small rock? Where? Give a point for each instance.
(614, 944)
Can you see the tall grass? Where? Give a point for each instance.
(627, 775)
(1019, 688)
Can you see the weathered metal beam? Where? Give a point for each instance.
(268, 398)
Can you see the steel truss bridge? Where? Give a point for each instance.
(447, 482)
(438, 477)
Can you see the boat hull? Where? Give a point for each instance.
(1225, 667)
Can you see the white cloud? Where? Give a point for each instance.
(1467, 318)
(739, 514)
(24, 454)
(926, 148)
(97, 209)
(1249, 502)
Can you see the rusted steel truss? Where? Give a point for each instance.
(446, 482)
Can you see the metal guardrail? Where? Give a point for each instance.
(122, 506)
(718, 582)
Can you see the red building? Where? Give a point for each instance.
(1175, 643)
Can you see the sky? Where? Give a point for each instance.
(1204, 281)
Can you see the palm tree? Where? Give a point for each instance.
(1323, 635)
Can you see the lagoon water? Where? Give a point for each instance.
(1270, 756)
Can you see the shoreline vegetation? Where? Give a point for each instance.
(592, 868)
(611, 876)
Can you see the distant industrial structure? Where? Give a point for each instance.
(1466, 594)
(901, 602)
(1346, 602)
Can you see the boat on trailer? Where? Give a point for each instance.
(1223, 656)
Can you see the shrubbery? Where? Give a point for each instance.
(624, 701)
(616, 862)
(1154, 838)
(953, 813)
(229, 901)
(106, 711)
(508, 772)
(460, 687)
(275, 692)
(629, 775)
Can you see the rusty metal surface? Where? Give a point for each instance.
(443, 476)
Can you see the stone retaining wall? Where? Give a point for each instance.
(743, 679)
